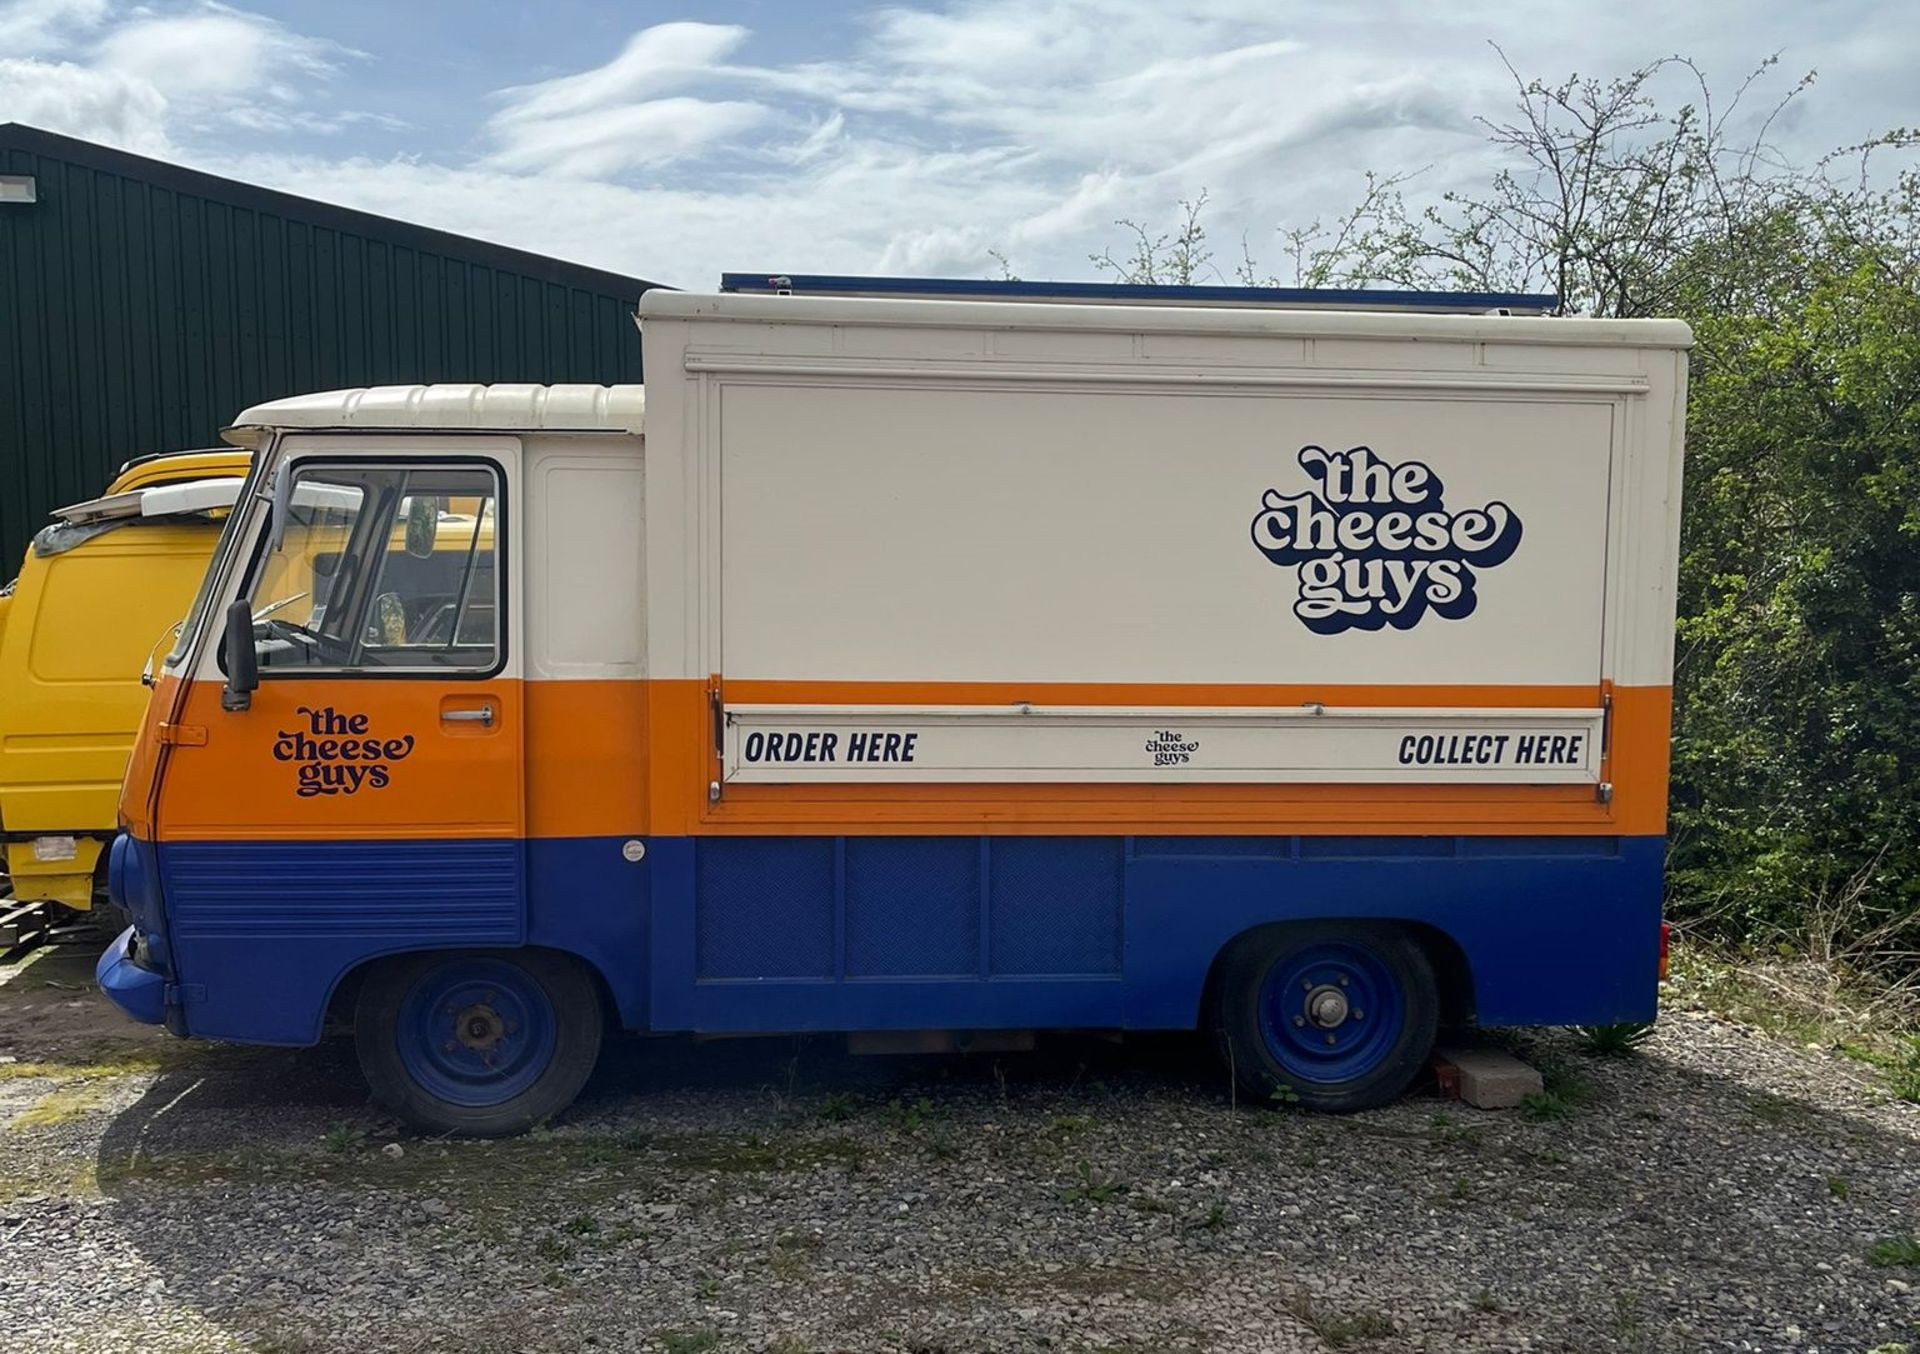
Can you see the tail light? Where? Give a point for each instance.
(1666, 942)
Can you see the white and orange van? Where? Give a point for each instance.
(966, 661)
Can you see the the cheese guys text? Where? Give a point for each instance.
(1376, 544)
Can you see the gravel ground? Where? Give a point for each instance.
(1714, 1191)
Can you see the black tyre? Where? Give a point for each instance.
(1330, 1015)
(481, 1043)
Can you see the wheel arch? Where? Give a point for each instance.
(337, 1017)
(1451, 970)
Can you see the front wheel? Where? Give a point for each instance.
(483, 1043)
(1332, 1016)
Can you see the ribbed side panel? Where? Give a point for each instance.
(428, 893)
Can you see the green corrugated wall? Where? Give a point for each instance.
(143, 305)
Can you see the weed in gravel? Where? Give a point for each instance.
(837, 1108)
(344, 1138)
(1093, 1187)
(1065, 1127)
(1838, 1187)
(1214, 1220)
(755, 1154)
(1284, 1097)
(943, 1144)
(1894, 1250)
(905, 1118)
(1151, 1203)
(1460, 1190)
(62, 1105)
(1769, 1108)
(581, 1225)
(793, 1254)
(1903, 1071)
(690, 1342)
(93, 1071)
(551, 1247)
(1336, 1330)
(1485, 1301)
(1546, 1107)
(1614, 1041)
(1449, 1131)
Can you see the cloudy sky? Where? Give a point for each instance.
(672, 139)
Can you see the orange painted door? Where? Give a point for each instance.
(389, 706)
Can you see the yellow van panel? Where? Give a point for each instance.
(81, 626)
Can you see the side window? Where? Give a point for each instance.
(381, 567)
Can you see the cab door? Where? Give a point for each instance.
(368, 797)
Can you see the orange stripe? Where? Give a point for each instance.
(620, 758)
(683, 764)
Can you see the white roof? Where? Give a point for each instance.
(502, 407)
(752, 308)
(160, 500)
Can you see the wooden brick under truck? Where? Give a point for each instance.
(1294, 666)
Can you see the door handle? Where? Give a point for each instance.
(482, 715)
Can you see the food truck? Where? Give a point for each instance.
(932, 657)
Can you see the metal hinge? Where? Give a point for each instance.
(179, 994)
(718, 708)
(184, 735)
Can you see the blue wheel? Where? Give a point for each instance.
(1336, 1016)
(479, 1042)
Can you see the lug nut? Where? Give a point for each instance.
(1330, 1041)
(1299, 1020)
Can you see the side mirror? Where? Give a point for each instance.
(243, 663)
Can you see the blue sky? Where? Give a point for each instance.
(674, 140)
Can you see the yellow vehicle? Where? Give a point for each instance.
(101, 586)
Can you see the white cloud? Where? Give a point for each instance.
(97, 105)
(630, 136)
(34, 27)
(213, 63)
(655, 60)
(607, 120)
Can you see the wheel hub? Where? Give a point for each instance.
(479, 1028)
(1327, 1006)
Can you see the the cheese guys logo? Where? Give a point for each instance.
(337, 754)
(1377, 545)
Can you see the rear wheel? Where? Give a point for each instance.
(483, 1043)
(1330, 1015)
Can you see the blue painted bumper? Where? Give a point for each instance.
(140, 992)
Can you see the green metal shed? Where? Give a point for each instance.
(143, 305)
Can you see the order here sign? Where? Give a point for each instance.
(794, 744)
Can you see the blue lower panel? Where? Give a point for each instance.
(765, 934)
(914, 933)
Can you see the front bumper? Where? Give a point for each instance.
(140, 992)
